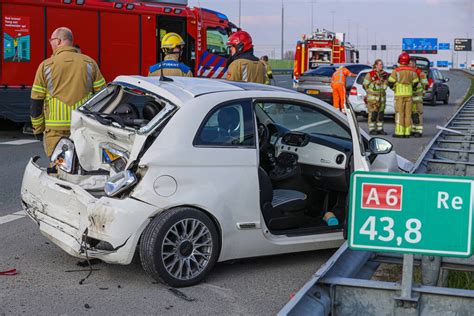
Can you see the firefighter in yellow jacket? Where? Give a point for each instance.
(402, 81)
(375, 84)
(417, 116)
(172, 45)
(62, 83)
(268, 68)
(242, 64)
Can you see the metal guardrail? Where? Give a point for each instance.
(343, 285)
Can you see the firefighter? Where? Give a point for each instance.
(62, 83)
(375, 83)
(268, 68)
(402, 81)
(338, 85)
(242, 64)
(417, 115)
(172, 46)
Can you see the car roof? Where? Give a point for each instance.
(181, 89)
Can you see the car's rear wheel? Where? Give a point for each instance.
(446, 101)
(434, 100)
(180, 247)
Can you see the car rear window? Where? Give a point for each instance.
(321, 71)
(360, 78)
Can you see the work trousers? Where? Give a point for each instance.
(376, 115)
(51, 139)
(403, 110)
(417, 117)
(339, 96)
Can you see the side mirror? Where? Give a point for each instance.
(446, 79)
(380, 146)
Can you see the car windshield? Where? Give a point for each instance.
(128, 107)
(421, 63)
(217, 41)
(302, 118)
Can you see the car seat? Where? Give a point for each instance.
(282, 209)
(151, 109)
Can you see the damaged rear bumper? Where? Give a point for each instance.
(76, 221)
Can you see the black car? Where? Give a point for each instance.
(437, 90)
(317, 82)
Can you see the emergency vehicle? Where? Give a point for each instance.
(322, 47)
(123, 36)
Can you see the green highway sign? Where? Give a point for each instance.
(409, 213)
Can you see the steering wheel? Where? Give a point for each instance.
(263, 135)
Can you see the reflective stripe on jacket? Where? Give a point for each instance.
(64, 81)
(404, 78)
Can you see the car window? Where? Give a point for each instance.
(321, 71)
(127, 106)
(305, 119)
(217, 41)
(361, 77)
(230, 125)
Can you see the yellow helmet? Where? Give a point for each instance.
(171, 40)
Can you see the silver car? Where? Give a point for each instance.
(317, 82)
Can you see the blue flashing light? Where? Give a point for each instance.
(218, 14)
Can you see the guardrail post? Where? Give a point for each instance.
(430, 268)
(407, 303)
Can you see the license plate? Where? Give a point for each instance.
(312, 91)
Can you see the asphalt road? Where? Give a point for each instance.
(258, 286)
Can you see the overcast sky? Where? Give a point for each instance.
(377, 21)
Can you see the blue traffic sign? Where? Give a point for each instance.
(444, 46)
(442, 63)
(420, 45)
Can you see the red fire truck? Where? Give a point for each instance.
(123, 36)
(322, 47)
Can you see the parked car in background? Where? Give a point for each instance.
(357, 95)
(437, 90)
(317, 82)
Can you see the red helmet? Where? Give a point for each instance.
(404, 58)
(241, 40)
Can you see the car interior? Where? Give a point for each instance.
(126, 107)
(296, 193)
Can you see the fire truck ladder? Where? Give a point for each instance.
(343, 285)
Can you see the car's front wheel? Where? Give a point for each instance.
(180, 247)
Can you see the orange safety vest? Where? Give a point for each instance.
(340, 75)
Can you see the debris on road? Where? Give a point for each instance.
(81, 270)
(86, 263)
(10, 272)
(180, 294)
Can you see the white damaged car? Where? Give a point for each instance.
(190, 171)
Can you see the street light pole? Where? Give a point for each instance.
(333, 30)
(312, 17)
(367, 44)
(282, 27)
(240, 11)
